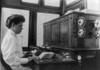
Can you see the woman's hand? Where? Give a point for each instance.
(30, 58)
(33, 57)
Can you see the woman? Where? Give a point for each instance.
(11, 48)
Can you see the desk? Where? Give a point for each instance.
(56, 64)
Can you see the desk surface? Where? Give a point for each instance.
(43, 61)
(69, 64)
(88, 64)
(56, 64)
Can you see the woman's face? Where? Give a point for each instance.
(18, 28)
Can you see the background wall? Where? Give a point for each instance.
(42, 18)
(24, 34)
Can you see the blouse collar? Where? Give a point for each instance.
(12, 32)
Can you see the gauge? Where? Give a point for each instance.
(81, 32)
(97, 33)
(97, 23)
(81, 21)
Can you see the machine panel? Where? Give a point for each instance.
(74, 30)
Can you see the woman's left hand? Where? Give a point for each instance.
(35, 57)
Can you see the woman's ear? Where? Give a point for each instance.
(12, 25)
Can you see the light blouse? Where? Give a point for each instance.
(12, 50)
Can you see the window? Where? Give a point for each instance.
(52, 3)
(69, 1)
(93, 5)
(30, 1)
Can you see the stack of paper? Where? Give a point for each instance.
(46, 55)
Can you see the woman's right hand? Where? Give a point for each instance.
(30, 58)
(34, 57)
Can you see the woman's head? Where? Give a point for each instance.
(15, 22)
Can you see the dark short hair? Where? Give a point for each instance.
(15, 19)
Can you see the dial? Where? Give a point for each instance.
(97, 23)
(81, 21)
(81, 32)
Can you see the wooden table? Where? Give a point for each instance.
(56, 64)
(69, 64)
